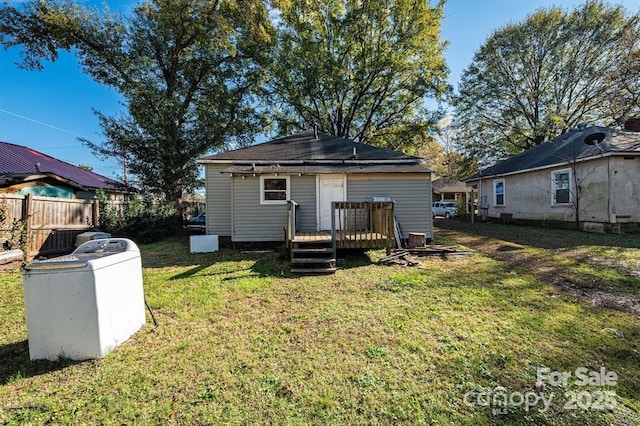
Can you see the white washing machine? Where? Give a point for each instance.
(81, 306)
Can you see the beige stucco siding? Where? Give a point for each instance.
(218, 193)
(625, 184)
(411, 193)
(529, 195)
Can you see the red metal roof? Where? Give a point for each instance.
(21, 159)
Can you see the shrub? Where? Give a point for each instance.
(461, 210)
(141, 219)
(14, 236)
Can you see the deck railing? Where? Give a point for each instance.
(363, 224)
(292, 211)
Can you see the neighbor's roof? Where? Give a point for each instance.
(566, 148)
(17, 160)
(445, 184)
(303, 147)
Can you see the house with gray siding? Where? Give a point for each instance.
(587, 177)
(311, 184)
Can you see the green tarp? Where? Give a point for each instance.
(47, 191)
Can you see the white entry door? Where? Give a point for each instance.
(330, 188)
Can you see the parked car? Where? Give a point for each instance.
(444, 208)
(197, 223)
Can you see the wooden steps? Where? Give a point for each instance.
(312, 258)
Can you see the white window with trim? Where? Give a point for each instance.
(498, 193)
(561, 187)
(274, 189)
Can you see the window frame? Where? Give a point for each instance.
(495, 193)
(554, 187)
(264, 201)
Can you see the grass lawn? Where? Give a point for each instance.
(242, 341)
(588, 262)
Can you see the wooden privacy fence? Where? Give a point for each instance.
(52, 224)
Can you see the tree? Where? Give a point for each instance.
(625, 79)
(531, 81)
(360, 69)
(188, 71)
(447, 161)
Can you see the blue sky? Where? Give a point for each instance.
(47, 110)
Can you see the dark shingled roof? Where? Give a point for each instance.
(302, 146)
(20, 160)
(328, 168)
(566, 148)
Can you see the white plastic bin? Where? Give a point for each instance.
(203, 243)
(83, 305)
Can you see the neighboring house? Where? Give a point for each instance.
(447, 189)
(27, 171)
(588, 176)
(282, 190)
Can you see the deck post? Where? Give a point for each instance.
(291, 221)
(333, 229)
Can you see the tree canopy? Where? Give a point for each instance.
(533, 80)
(187, 70)
(443, 157)
(360, 69)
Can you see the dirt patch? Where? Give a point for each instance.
(505, 247)
(10, 267)
(583, 286)
(620, 264)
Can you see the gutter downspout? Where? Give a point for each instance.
(610, 200)
(233, 216)
(480, 200)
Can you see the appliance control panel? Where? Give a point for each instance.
(107, 245)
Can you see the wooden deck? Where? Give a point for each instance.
(365, 224)
(354, 225)
(341, 237)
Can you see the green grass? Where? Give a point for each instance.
(546, 238)
(609, 262)
(240, 341)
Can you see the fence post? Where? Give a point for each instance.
(95, 212)
(27, 217)
(27, 212)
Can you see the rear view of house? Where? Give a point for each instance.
(586, 177)
(307, 183)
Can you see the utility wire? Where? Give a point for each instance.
(43, 124)
(62, 130)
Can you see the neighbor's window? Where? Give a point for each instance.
(274, 189)
(561, 186)
(498, 192)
